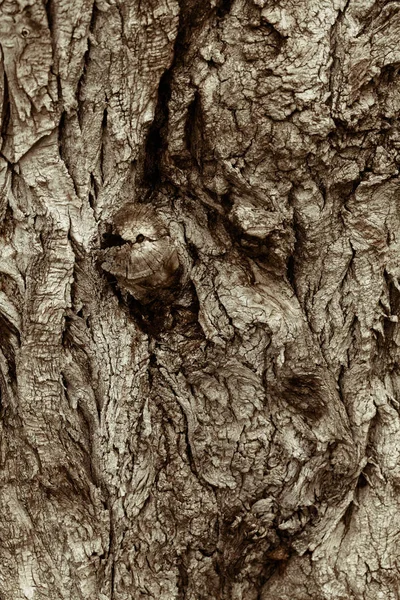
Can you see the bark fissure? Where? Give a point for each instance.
(199, 297)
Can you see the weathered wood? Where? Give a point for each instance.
(199, 297)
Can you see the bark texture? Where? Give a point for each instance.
(199, 298)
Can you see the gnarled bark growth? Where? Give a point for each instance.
(199, 296)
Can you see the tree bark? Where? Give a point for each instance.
(199, 297)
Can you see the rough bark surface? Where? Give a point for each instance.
(199, 298)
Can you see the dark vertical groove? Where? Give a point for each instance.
(192, 15)
(183, 579)
(5, 113)
(194, 130)
(48, 5)
(61, 129)
(86, 59)
(152, 176)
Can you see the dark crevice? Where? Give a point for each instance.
(348, 515)
(155, 145)
(61, 129)
(362, 481)
(91, 200)
(152, 318)
(151, 174)
(103, 139)
(388, 74)
(81, 83)
(194, 128)
(111, 240)
(153, 369)
(191, 461)
(226, 201)
(6, 407)
(93, 192)
(206, 552)
(193, 14)
(290, 271)
(270, 568)
(86, 59)
(159, 314)
(224, 8)
(48, 5)
(104, 119)
(112, 578)
(335, 60)
(183, 578)
(95, 187)
(306, 393)
(6, 112)
(9, 340)
(213, 218)
(192, 249)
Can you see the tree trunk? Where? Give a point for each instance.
(199, 296)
